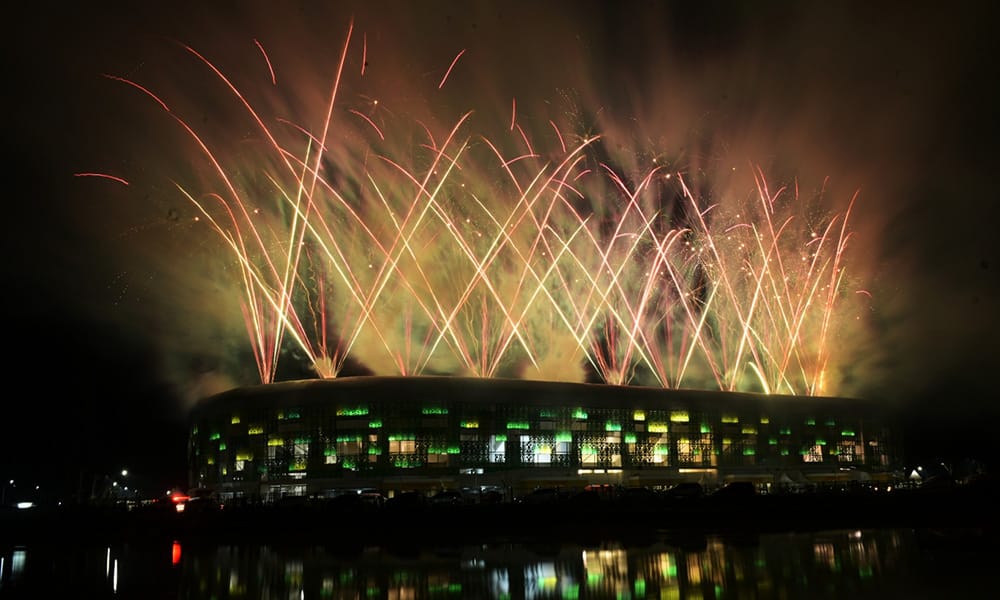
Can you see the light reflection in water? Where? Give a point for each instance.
(840, 563)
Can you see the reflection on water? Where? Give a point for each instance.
(878, 563)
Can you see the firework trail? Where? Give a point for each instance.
(490, 247)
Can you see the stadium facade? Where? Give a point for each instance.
(323, 437)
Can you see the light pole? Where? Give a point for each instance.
(3, 495)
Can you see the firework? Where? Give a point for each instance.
(439, 243)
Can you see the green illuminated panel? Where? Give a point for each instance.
(357, 411)
(376, 424)
(847, 433)
(470, 424)
(706, 428)
(629, 438)
(434, 410)
(214, 436)
(580, 414)
(564, 436)
(517, 425)
(612, 426)
(749, 452)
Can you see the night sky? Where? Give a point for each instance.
(116, 326)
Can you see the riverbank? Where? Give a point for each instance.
(582, 518)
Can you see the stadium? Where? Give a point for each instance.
(324, 437)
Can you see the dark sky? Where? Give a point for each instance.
(116, 325)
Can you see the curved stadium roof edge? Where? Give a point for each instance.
(523, 391)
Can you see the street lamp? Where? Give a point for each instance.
(3, 495)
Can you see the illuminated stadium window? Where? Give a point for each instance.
(661, 453)
(239, 465)
(730, 419)
(330, 453)
(375, 424)
(235, 420)
(580, 414)
(685, 450)
(613, 446)
(813, 454)
(705, 428)
(764, 420)
(588, 454)
(810, 421)
(639, 415)
(255, 430)
(470, 424)
(657, 428)
(612, 426)
(437, 454)
(354, 411)
(300, 454)
(539, 452)
(402, 444)
(348, 448)
(679, 416)
(846, 451)
(497, 450)
(749, 430)
(434, 410)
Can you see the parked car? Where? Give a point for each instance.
(735, 490)
(447, 497)
(685, 490)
